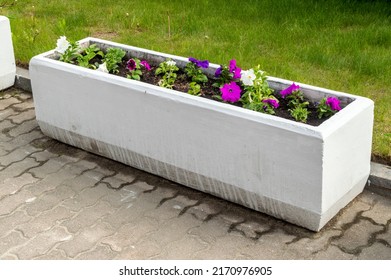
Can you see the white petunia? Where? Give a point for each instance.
(62, 44)
(171, 63)
(247, 77)
(103, 68)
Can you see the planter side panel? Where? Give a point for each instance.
(7, 59)
(347, 157)
(239, 159)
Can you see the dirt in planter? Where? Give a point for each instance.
(210, 92)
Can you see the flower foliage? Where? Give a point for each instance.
(248, 88)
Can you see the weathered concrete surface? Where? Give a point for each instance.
(59, 202)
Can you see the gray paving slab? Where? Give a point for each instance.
(59, 202)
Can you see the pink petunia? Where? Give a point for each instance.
(333, 103)
(289, 90)
(230, 92)
(145, 64)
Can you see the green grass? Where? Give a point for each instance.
(341, 45)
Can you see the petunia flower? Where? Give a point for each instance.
(131, 64)
(230, 92)
(247, 77)
(333, 103)
(145, 64)
(289, 90)
(234, 69)
(62, 45)
(103, 68)
(272, 102)
(218, 72)
(199, 63)
(171, 63)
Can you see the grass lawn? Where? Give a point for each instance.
(341, 45)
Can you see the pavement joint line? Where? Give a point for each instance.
(380, 174)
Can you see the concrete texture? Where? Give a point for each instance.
(59, 202)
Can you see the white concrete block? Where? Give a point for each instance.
(7, 58)
(297, 172)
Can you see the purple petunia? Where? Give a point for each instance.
(199, 63)
(289, 90)
(131, 64)
(272, 102)
(218, 72)
(333, 103)
(230, 92)
(234, 69)
(145, 64)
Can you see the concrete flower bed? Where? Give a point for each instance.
(293, 171)
(7, 59)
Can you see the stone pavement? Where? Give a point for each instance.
(59, 202)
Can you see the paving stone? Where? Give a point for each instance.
(51, 166)
(308, 247)
(206, 210)
(5, 103)
(146, 249)
(130, 234)
(10, 203)
(88, 216)
(22, 140)
(48, 200)
(333, 253)
(380, 212)
(5, 126)
(100, 252)
(377, 251)
(52, 180)
(86, 198)
(22, 117)
(185, 248)
(53, 254)
(25, 105)
(357, 236)
(24, 128)
(17, 155)
(12, 185)
(386, 236)
(350, 213)
(4, 114)
(10, 241)
(41, 243)
(10, 222)
(43, 155)
(172, 231)
(45, 221)
(86, 239)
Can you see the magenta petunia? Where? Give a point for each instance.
(289, 90)
(131, 64)
(199, 63)
(230, 92)
(272, 102)
(234, 69)
(333, 103)
(145, 64)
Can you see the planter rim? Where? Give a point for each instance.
(323, 130)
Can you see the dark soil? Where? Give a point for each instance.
(210, 92)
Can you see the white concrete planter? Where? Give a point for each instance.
(293, 171)
(7, 59)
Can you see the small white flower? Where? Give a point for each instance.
(62, 44)
(103, 68)
(171, 63)
(247, 77)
